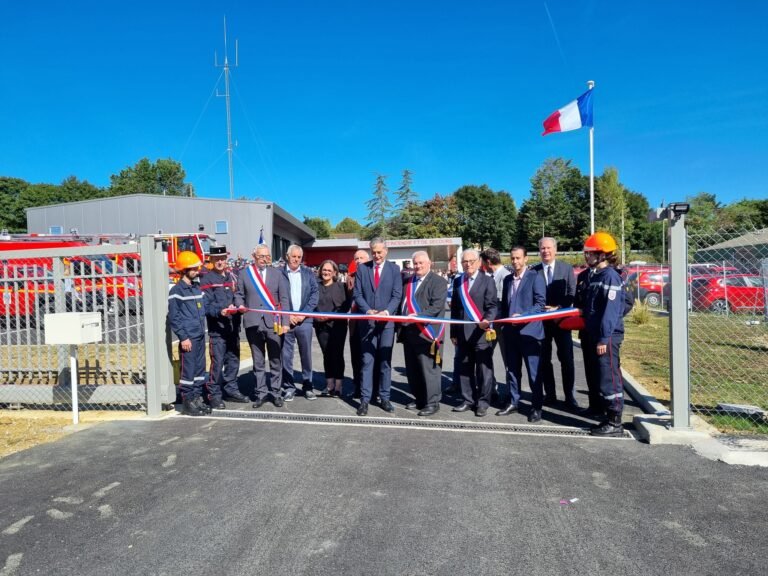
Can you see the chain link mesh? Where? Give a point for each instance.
(111, 374)
(728, 328)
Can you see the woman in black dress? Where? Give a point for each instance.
(331, 332)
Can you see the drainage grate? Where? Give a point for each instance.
(407, 423)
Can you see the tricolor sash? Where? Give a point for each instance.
(413, 308)
(264, 292)
(470, 308)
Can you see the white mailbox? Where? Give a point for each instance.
(72, 328)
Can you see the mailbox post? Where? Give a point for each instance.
(73, 328)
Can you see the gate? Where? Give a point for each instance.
(129, 368)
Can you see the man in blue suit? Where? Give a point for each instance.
(378, 291)
(561, 288)
(524, 292)
(304, 295)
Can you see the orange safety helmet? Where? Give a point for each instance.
(187, 259)
(600, 242)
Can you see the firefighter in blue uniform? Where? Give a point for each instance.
(219, 285)
(599, 294)
(186, 313)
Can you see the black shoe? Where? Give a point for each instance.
(463, 408)
(386, 405)
(258, 403)
(278, 401)
(428, 410)
(190, 408)
(534, 416)
(217, 404)
(288, 395)
(236, 397)
(607, 429)
(309, 394)
(411, 406)
(480, 412)
(202, 406)
(363, 409)
(507, 411)
(376, 399)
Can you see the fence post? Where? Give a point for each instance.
(154, 277)
(678, 321)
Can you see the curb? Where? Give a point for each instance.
(654, 427)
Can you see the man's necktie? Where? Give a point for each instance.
(549, 275)
(376, 277)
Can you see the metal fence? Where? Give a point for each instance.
(107, 280)
(728, 328)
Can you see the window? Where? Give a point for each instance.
(55, 229)
(222, 227)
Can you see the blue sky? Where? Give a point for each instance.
(330, 93)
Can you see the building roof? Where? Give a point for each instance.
(749, 239)
(278, 211)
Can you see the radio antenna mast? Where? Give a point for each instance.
(229, 114)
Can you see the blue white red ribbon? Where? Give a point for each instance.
(522, 319)
(413, 308)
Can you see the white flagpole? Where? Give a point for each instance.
(591, 85)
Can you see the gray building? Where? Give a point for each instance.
(236, 223)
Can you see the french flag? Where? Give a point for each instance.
(572, 116)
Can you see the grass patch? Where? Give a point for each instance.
(22, 429)
(645, 354)
(728, 364)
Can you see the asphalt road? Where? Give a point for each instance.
(204, 496)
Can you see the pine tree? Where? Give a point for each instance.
(379, 208)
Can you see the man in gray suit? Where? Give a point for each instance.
(474, 298)
(424, 294)
(524, 293)
(561, 288)
(261, 286)
(304, 295)
(378, 290)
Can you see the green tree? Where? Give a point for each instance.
(321, 226)
(348, 226)
(486, 217)
(379, 209)
(703, 216)
(611, 205)
(745, 213)
(441, 218)
(558, 205)
(12, 216)
(165, 177)
(504, 234)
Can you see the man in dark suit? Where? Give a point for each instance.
(261, 286)
(378, 290)
(303, 297)
(524, 292)
(424, 294)
(474, 298)
(561, 287)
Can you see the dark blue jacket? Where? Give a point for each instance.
(219, 291)
(309, 290)
(601, 299)
(186, 310)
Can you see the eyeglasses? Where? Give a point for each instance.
(469, 261)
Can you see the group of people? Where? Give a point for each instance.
(483, 295)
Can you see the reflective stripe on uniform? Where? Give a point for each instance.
(180, 297)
